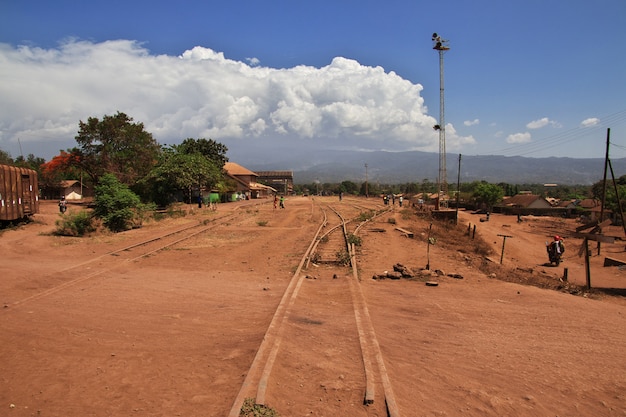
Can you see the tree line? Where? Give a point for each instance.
(475, 193)
(129, 170)
(116, 153)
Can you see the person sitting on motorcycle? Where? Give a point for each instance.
(557, 244)
(62, 205)
(555, 250)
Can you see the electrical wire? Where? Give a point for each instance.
(567, 138)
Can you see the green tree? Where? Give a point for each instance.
(469, 187)
(5, 158)
(411, 188)
(210, 149)
(178, 171)
(597, 187)
(118, 207)
(348, 187)
(115, 145)
(488, 194)
(369, 188)
(611, 202)
(31, 161)
(428, 186)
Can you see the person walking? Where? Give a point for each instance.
(282, 202)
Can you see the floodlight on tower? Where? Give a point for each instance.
(441, 45)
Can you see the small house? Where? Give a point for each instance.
(70, 189)
(525, 204)
(246, 182)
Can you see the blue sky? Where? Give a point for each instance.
(522, 77)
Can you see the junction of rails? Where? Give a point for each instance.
(193, 315)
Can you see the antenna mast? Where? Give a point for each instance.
(441, 45)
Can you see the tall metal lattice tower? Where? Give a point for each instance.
(441, 46)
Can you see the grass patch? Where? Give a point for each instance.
(406, 213)
(76, 224)
(354, 239)
(250, 409)
(365, 216)
(343, 257)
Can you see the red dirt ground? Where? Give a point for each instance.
(174, 334)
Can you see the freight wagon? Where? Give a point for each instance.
(19, 193)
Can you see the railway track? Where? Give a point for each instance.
(332, 246)
(116, 258)
(311, 309)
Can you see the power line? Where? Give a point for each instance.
(568, 137)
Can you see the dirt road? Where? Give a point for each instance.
(174, 333)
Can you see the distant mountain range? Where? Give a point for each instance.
(403, 167)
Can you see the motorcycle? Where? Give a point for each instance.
(555, 252)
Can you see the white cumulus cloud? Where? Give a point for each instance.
(543, 122)
(590, 122)
(253, 61)
(201, 93)
(471, 122)
(524, 137)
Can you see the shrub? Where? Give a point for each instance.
(75, 224)
(364, 216)
(354, 239)
(118, 207)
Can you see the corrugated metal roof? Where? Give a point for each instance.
(235, 169)
(258, 186)
(68, 183)
(275, 174)
(523, 200)
(590, 203)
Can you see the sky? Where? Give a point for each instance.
(534, 78)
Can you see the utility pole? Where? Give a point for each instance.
(606, 163)
(441, 46)
(367, 194)
(458, 191)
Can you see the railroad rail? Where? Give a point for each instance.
(331, 239)
(340, 222)
(111, 260)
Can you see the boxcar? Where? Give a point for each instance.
(19, 193)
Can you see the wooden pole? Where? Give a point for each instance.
(606, 163)
(428, 248)
(458, 191)
(587, 266)
(503, 242)
(367, 192)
